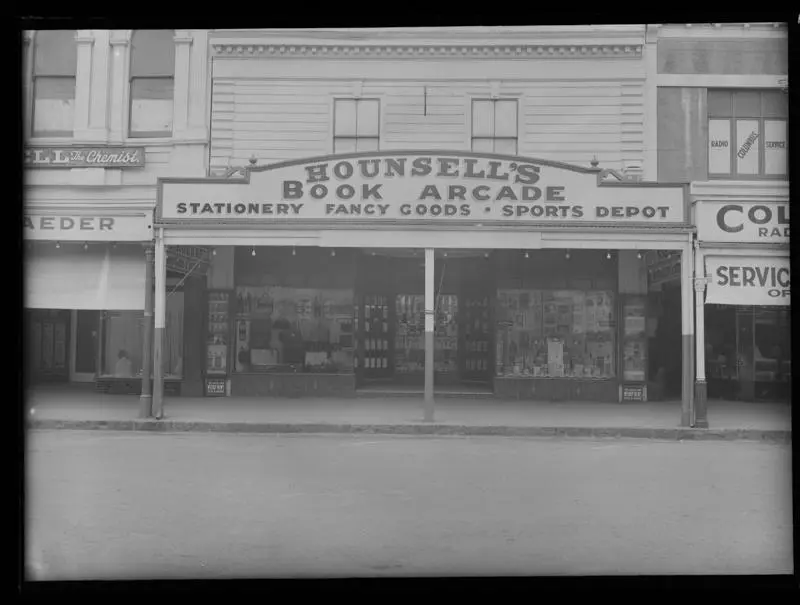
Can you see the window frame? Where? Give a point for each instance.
(147, 134)
(30, 100)
(494, 139)
(732, 120)
(356, 138)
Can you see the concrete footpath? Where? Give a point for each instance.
(80, 408)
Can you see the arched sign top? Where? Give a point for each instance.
(413, 185)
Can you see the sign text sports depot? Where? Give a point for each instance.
(415, 186)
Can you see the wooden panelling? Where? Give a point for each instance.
(571, 121)
(698, 56)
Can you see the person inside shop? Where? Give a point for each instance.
(124, 367)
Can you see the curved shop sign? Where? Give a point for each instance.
(748, 280)
(743, 222)
(409, 186)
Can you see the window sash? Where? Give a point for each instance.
(59, 88)
(356, 118)
(759, 149)
(489, 144)
(355, 144)
(146, 93)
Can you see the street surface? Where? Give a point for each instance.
(105, 505)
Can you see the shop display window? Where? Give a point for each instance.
(123, 341)
(283, 329)
(555, 334)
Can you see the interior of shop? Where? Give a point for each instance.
(748, 353)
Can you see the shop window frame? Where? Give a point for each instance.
(494, 100)
(335, 137)
(35, 78)
(732, 120)
(133, 77)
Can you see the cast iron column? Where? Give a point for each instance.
(430, 304)
(687, 336)
(146, 398)
(160, 315)
(700, 385)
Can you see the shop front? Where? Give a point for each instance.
(84, 294)
(744, 287)
(425, 270)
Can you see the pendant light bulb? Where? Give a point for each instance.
(527, 255)
(58, 245)
(213, 251)
(252, 252)
(333, 252)
(608, 255)
(294, 252)
(639, 255)
(85, 245)
(567, 255)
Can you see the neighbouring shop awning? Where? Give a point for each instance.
(70, 277)
(748, 280)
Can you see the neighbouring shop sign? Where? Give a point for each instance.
(634, 392)
(748, 280)
(215, 387)
(413, 186)
(83, 157)
(742, 222)
(87, 227)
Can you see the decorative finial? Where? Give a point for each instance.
(253, 160)
(594, 162)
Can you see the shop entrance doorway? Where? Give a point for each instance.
(390, 320)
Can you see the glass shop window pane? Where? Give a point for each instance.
(344, 119)
(368, 118)
(482, 118)
(505, 118)
(151, 106)
(53, 106)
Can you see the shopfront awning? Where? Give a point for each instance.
(71, 277)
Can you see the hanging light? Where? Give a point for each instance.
(527, 255)
(639, 255)
(213, 251)
(85, 245)
(608, 255)
(252, 251)
(333, 252)
(567, 255)
(485, 255)
(294, 252)
(58, 245)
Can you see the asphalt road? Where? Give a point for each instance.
(105, 505)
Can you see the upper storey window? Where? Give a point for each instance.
(54, 67)
(747, 134)
(494, 126)
(356, 125)
(152, 78)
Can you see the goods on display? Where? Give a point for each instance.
(555, 333)
(217, 336)
(294, 330)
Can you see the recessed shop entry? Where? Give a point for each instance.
(390, 319)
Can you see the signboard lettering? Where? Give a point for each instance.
(743, 222)
(215, 387)
(633, 392)
(406, 185)
(92, 228)
(83, 157)
(748, 280)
